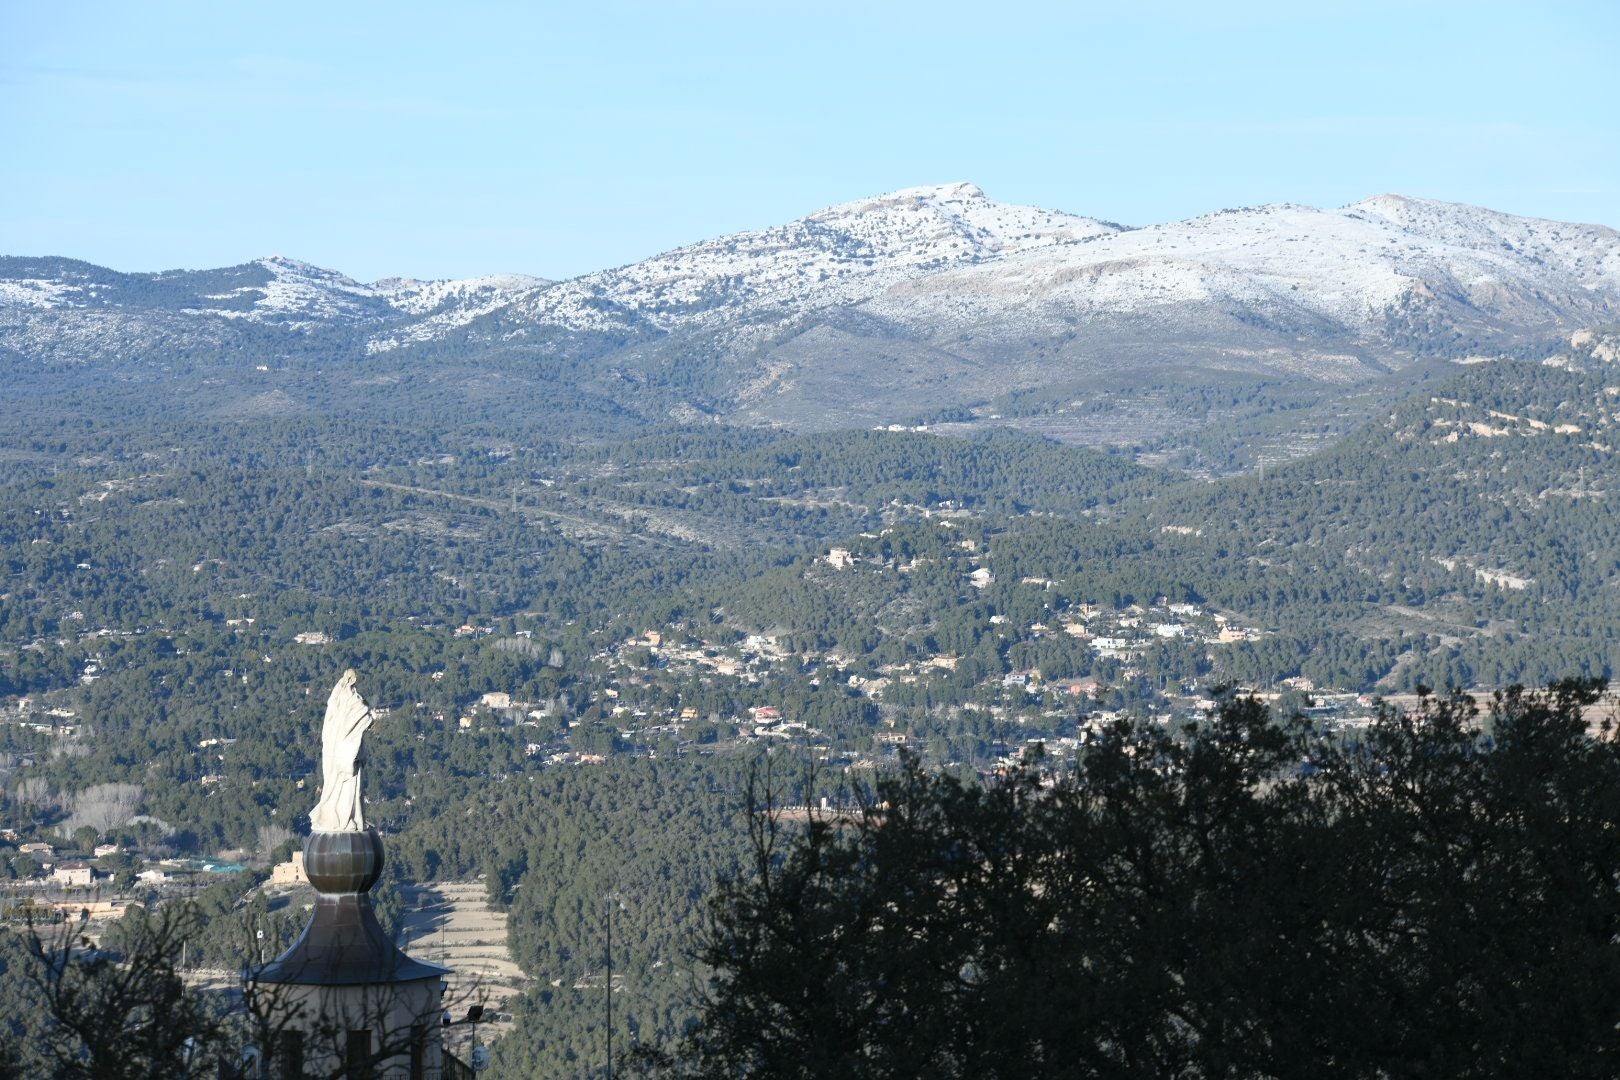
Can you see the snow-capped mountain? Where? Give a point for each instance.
(1350, 269)
(441, 307)
(841, 255)
(63, 309)
(275, 289)
(290, 290)
(951, 252)
(838, 256)
(883, 307)
(416, 297)
(940, 294)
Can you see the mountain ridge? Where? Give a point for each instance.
(916, 232)
(896, 305)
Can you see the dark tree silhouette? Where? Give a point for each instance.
(126, 1014)
(1432, 896)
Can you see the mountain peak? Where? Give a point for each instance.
(840, 255)
(961, 191)
(1388, 199)
(283, 262)
(960, 197)
(298, 271)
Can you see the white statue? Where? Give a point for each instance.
(347, 718)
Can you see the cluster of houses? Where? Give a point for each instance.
(1026, 696)
(67, 873)
(44, 867)
(1124, 633)
(58, 871)
(53, 721)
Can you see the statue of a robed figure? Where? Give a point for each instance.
(342, 755)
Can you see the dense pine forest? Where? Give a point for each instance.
(587, 634)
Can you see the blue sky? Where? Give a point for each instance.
(451, 140)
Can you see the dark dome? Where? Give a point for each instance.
(343, 862)
(343, 943)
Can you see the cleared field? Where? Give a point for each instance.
(1606, 710)
(450, 923)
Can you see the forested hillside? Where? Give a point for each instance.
(584, 642)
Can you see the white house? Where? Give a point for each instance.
(74, 873)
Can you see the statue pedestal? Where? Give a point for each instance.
(344, 986)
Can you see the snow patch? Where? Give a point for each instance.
(37, 293)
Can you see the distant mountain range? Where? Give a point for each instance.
(922, 301)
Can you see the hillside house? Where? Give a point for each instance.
(290, 872)
(73, 874)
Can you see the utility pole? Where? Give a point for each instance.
(612, 901)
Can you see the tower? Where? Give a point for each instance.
(344, 994)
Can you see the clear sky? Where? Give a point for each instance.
(446, 140)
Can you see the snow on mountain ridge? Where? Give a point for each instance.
(924, 214)
(948, 256)
(38, 293)
(1577, 256)
(945, 258)
(307, 292)
(274, 288)
(1353, 267)
(415, 296)
(443, 306)
(840, 255)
